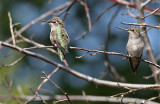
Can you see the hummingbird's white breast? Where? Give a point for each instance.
(135, 47)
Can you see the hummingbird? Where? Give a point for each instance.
(58, 36)
(134, 47)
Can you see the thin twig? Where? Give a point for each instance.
(146, 2)
(39, 87)
(153, 74)
(36, 44)
(114, 53)
(8, 84)
(87, 15)
(94, 22)
(105, 99)
(125, 2)
(57, 87)
(38, 47)
(157, 27)
(55, 102)
(77, 74)
(45, 80)
(11, 28)
(152, 98)
(82, 55)
(130, 13)
(69, 7)
(151, 13)
(13, 63)
(107, 63)
(147, 44)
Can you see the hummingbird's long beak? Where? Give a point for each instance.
(122, 28)
(44, 21)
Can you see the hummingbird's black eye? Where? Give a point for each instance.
(54, 22)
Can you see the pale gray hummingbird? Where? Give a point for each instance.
(134, 47)
(59, 36)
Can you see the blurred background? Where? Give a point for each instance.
(27, 73)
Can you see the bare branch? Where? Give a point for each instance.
(151, 13)
(8, 84)
(15, 62)
(115, 75)
(36, 94)
(157, 58)
(88, 16)
(126, 100)
(77, 74)
(94, 22)
(157, 27)
(130, 13)
(38, 47)
(125, 2)
(82, 55)
(153, 98)
(146, 2)
(134, 90)
(45, 80)
(114, 53)
(36, 44)
(145, 38)
(69, 7)
(57, 87)
(55, 102)
(11, 28)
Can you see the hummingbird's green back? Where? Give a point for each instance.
(59, 36)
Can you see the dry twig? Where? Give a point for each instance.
(13, 63)
(147, 25)
(114, 53)
(57, 87)
(77, 74)
(11, 28)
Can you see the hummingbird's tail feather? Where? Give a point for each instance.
(61, 54)
(134, 63)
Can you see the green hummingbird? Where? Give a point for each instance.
(58, 36)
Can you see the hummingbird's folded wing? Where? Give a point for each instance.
(56, 42)
(63, 39)
(60, 47)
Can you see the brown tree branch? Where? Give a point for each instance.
(147, 25)
(125, 2)
(69, 7)
(94, 22)
(77, 74)
(126, 100)
(111, 68)
(114, 53)
(58, 87)
(149, 51)
(87, 15)
(13, 63)
(151, 13)
(11, 28)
